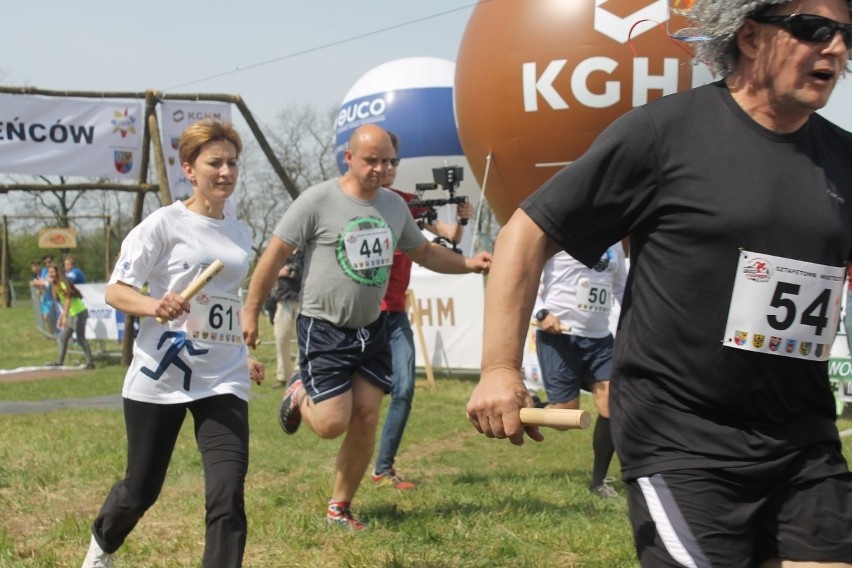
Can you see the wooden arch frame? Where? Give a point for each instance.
(150, 138)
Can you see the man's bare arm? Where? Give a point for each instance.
(264, 276)
(519, 256)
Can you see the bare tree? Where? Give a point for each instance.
(62, 201)
(261, 198)
(302, 138)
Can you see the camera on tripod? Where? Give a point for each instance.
(447, 178)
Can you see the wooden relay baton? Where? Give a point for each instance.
(564, 329)
(564, 418)
(196, 285)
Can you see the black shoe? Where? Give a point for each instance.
(90, 366)
(53, 364)
(289, 415)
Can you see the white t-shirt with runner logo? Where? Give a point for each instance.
(202, 353)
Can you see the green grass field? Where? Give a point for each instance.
(479, 502)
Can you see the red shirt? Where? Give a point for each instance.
(400, 274)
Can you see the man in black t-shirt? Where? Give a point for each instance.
(737, 198)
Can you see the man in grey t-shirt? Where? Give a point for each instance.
(349, 228)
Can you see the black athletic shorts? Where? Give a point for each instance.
(329, 355)
(795, 507)
(570, 363)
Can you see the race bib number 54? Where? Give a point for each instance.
(784, 307)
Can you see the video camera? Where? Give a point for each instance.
(448, 179)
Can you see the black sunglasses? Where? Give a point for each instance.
(809, 27)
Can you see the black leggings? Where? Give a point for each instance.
(75, 325)
(222, 433)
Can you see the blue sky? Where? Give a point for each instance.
(273, 54)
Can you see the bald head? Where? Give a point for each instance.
(368, 157)
(368, 135)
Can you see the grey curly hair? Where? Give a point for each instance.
(720, 20)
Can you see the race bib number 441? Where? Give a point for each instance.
(784, 307)
(369, 248)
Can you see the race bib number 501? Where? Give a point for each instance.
(784, 307)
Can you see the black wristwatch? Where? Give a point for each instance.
(541, 314)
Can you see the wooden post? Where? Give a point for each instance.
(5, 285)
(159, 160)
(267, 150)
(107, 247)
(414, 307)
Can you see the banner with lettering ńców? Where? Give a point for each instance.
(41, 135)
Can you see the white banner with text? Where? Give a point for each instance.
(451, 309)
(42, 135)
(105, 322)
(175, 116)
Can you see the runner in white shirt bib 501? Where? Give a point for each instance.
(574, 343)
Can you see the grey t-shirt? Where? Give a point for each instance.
(349, 246)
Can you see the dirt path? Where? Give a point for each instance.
(39, 373)
(108, 402)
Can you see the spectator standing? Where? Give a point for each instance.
(72, 317)
(283, 307)
(49, 312)
(35, 270)
(72, 273)
(402, 337)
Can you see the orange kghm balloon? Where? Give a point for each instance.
(682, 4)
(537, 80)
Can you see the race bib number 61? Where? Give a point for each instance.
(215, 318)
(784, 307)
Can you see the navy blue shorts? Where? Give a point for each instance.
(795, 507)
(569, 363)
(330, 355)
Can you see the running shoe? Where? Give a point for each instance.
(289, 415)
(96, 557)
(339, 514)
(605, 490)
(391, 478)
